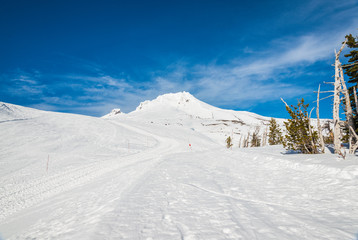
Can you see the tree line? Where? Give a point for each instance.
(300, 135)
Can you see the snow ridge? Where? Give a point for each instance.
(11, 112)
(113, 113)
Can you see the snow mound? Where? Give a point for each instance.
(113, 113)
(11, 112)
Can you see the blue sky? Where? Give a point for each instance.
(89, 57)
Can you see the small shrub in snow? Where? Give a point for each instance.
(275, 134)
(229, 142)
(299, 132)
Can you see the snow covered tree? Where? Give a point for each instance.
(299, 131)
(275, 133)
(229, 142)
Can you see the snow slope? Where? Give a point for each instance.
(183, 109)
(134, 176)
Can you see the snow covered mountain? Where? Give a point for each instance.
(183, 109)
(174, 105)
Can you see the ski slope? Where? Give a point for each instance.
(134, 176)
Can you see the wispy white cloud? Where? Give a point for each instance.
(332, 12)
(251, 81)
(104, 80)
(243, 82)
(22, 83)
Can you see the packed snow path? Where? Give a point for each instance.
(159, 188)
(240, 195)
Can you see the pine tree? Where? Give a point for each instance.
(229, 142)
(299, 135)
(350, 100)
(351, 70)
(275, 133)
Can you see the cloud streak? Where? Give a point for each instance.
(246, 82)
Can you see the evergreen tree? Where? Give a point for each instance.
(229, 142)
(275, 133)
(351, 70)
(299, 135)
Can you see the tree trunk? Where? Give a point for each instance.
(314, 149)
(355, 98)
(320, 135)
(355, 146)
(336, 103)
(247, 140)
(349, 112)
(264, 138)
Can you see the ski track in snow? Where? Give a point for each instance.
(22, 194)
(182, 200)
(162, 189)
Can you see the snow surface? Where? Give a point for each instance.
(134, 176)
(113, 113)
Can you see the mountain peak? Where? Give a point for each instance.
(169, 99)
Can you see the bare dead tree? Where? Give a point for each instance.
(284, 103)
(340, 88)
(355, 98)
(244, 142)
(355, 146)
(310, 131)
(255, 139)
(319, 127)
(348, 109)
(264, 138)
(247, 140)
(337, 101)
